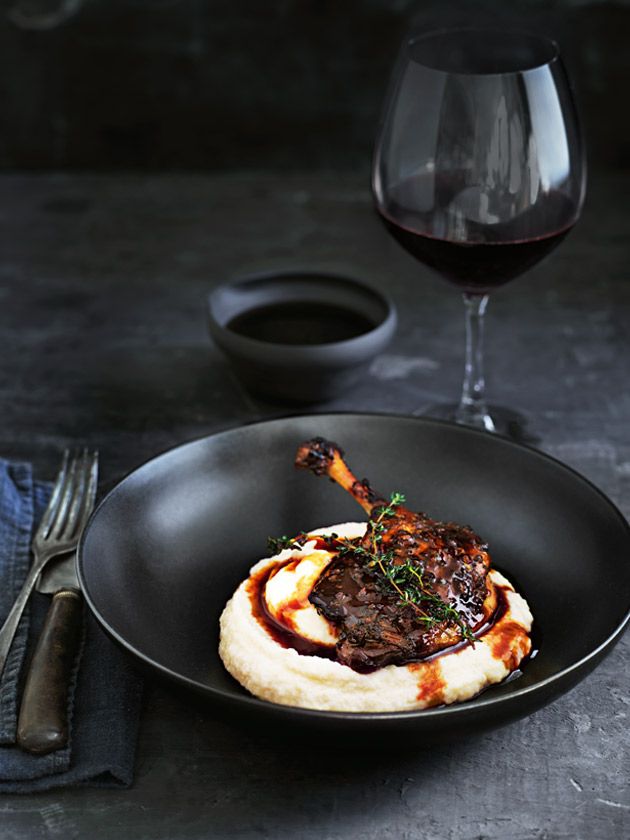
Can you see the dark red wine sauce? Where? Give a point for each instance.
(286, 635)
(300, 323)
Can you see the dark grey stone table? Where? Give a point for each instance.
(102, 329)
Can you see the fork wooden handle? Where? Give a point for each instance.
(43, 720)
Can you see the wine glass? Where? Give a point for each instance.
(479, 169)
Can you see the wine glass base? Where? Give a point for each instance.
(506, 422)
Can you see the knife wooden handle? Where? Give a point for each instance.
(43, 720)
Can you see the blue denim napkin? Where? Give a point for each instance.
(105, 696)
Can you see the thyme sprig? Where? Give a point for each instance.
(276, 544)
(405, 578)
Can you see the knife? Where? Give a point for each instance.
(43, 718)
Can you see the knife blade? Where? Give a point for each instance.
(43, 718)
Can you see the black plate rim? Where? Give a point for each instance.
(438, 713)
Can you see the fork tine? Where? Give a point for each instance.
(90, 493)
(66, 497)
(90, 496)
(53, 505)
(84, 501)
(78, 494)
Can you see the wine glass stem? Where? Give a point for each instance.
(472, 409)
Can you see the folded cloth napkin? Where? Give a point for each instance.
(105, 696)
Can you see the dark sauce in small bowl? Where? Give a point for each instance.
(300, 323)
(300, 336)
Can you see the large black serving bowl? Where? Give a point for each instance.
(166, 548)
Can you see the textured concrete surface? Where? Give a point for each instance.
(102, 328)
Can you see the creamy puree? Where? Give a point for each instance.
(280, 674)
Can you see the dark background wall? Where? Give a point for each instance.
(258, 84)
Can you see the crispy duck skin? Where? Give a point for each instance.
(376, 628)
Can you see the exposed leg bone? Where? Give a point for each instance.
(323, 457)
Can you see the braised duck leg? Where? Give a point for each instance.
(450, 561)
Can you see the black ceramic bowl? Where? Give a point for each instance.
(167, 547)
(300, 336)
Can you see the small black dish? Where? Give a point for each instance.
(300, 336)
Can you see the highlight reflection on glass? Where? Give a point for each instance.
(479, 168)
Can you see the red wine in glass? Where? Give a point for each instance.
(492, 257)
(479, 168)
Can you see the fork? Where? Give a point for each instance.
(58, 533)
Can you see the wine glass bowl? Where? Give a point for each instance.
(479, 167)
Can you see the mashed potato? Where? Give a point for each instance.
(280, 674)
